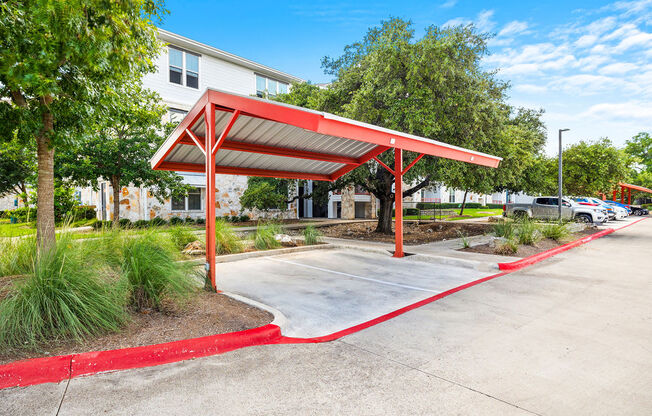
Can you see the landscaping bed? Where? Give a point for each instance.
(526, 250)
(207, 314)
(412, 233)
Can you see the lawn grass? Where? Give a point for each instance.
(28, 228)
(471, 212)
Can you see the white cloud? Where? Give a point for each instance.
(448, 4)
(586, 41)
(484, 22)
(513, 28)
(530, 88)
(631, 110)
(618, 68)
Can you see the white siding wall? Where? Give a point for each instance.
(213, 73)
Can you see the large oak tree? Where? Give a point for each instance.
(57, 59)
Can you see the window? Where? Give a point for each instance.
(179, 61)
(451, 196)
(267, 87)
(192, 202)
(176, 115)
(545, 201)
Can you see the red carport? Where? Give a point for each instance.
(239, 135)
(629, 188)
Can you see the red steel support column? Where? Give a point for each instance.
(622, 194)
(398, 204)
(209, 117)
(629, 196)
(615, 192)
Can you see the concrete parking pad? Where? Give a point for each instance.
(324, 291)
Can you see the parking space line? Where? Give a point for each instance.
(369, 279)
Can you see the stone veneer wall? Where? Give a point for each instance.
(138, 203)
(348, 203)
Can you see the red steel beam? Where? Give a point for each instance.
(622, 194)
(398, 203)
(196, 141)
(226, 131)
(629, 196)
(392, 171)
(284, 151)
(232, 170)
(210, 194)
(370, 155)
(414, 162)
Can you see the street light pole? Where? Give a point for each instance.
(559, 182)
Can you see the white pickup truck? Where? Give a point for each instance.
(546, 208)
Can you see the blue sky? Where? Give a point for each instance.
(587, 63)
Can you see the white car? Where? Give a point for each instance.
(621, 213)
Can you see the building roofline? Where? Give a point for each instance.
(194, 45)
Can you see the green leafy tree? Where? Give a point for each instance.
(17, 169)
(640, 147)
(593, 167)
(520, 143)
(56, 58)
(120, 146)
(433, 87)
(272, 193)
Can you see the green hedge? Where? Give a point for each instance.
(449, 205)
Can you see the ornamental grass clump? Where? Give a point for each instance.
(506, 247)
(504, 229)
(17, 255)
(152, 273)
(311, 235)
(265, 236)
(181, 236)
(226, 240)
(63, 296)
(528, 232)
(557, 231)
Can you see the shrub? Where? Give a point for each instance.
(557, 231)
(102, 224)
(84, 212)
(311, 235)
(189, 220)
(141, 224)
(62, 298)
(176, 221)
(528, 232)
(504, 229)
(264, 238)
(181, 237)
(152, 273)
(23, 214)
(244, 218)
(495, 206)
(507, 247)
(200, 221)
(124, 222)
(226, 240)
(157, 222)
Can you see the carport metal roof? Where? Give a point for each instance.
(629, 188)
(234, 134)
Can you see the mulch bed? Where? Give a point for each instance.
(413, 233)
(539, 247)
(206, 314)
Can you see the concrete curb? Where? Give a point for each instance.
(58, 368)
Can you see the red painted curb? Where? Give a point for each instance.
(58, 368)
(528, 261)
(386, 317)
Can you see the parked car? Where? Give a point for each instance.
(595, 202)
(619, 204)
(546, 208)
(633, 210)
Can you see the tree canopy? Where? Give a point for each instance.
(57, 59)
(119, 146)
(433, 86)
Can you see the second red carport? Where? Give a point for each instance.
(238, 135)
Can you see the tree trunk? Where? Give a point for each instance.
(385, 215)
(466, 191)
(115, 184)
(45, 235)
